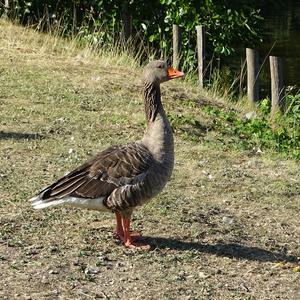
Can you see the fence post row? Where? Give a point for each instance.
(252, 58)
(176, 45)
(201, 53)
(277, 88)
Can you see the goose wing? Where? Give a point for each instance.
(112, 168)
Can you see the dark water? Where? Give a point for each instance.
(282, 37)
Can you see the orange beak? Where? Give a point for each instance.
(173, 73)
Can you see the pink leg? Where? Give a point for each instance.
(128, 238)
(119, 233)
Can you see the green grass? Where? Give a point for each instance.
(225, 227)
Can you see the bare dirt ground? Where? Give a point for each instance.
(227, 226)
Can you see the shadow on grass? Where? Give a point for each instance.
(20, 136)
(231, 250)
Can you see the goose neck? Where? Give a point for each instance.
(152, 101)
(158, 136)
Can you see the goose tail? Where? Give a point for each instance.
(39, 202)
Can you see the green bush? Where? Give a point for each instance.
(259, 131)
(228, 23)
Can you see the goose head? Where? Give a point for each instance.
(159, 71)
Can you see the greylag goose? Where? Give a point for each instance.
(124, 176)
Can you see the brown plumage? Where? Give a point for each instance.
(124, 176)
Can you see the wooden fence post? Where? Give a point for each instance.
(176, 45)
(252, 57)
(126, 20)
(201, 53)
(6, 8)
(277, 88)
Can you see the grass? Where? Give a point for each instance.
(225, 227)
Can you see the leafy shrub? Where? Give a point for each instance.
(258, 132)
(228, 23)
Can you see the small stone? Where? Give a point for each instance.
(202, 163)
(53, 293)
(45, 280)
(244, 287)
(92, 270)
(259, 151)
(100, 295)
(202, 275)
(227, 220)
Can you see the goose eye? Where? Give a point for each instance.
(160, 66)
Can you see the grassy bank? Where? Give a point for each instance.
(225, 227)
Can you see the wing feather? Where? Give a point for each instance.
(112, 168)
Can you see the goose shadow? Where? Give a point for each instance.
(20, 136)
(230, 250)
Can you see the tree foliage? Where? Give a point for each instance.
(228, 23)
